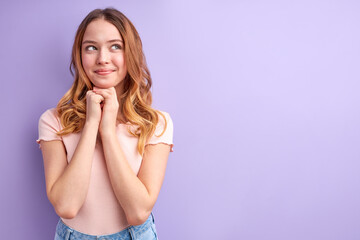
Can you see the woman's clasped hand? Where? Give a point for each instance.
(102, 108)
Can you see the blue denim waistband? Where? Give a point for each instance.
(69, 233)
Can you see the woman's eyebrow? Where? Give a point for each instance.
(91, 41)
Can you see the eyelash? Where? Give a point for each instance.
(116, 45)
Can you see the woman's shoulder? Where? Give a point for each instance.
(49, 126)
(164, 122)
(164, 117)
(164, 130)
(49, 113)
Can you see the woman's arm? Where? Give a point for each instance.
(67, 184)
(136, 194)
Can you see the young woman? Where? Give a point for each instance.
(104, 147)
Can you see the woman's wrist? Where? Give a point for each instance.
(91, 125)
(108, 133)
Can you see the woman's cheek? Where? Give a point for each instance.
(86, 62)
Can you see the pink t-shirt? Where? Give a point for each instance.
(101, 212)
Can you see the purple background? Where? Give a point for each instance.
(264, 96)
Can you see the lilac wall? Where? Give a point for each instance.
(265, 103)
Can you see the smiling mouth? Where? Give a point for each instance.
(104, 72)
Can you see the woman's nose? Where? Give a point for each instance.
(103, 57)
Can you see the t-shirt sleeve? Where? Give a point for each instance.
(167, 136)
(49, 125)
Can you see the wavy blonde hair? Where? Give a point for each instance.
(136, 97)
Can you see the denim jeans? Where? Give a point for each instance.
(145, 231)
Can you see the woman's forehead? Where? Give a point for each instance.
(101, 31)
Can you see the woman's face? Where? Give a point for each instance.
(102, 54)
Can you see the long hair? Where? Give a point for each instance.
(136, 97)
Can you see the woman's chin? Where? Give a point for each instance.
(104, 86)
(107, 84)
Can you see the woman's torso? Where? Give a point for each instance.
(101, 212)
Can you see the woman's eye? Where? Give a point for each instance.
(90, 48)
(116, 46)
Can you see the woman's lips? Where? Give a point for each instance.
(104, 72)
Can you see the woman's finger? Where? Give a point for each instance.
(95, 97)
(99, 98)
(103, 93)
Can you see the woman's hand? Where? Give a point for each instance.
(109, 110)
(93, 108)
